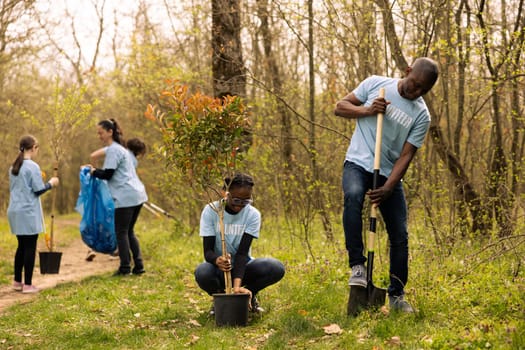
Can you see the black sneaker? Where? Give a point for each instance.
(121, 273)
(136, 271)
(255, 307)
(212, 310)
(90, 255)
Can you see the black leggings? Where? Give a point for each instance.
(25, 258)
(125, 219)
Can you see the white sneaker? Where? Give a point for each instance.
(18, 286)
(27, 288)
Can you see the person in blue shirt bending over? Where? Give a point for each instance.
(25, 210)
(136, 148)
(128, 192)
(405, 124)
(242, 223)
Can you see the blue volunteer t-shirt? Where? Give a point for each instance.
(404, 121)
(248, 220)
(125, 186)
(25, 210)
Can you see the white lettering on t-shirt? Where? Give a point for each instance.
(399, 116)
(234, 229)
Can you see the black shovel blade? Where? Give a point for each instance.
(362, 298)
(357, 301)
(375, 296)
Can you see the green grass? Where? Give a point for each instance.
(464, 300)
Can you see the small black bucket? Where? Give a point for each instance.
(231, 309)
(50, 262)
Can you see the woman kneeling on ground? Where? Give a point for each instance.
(242, 223)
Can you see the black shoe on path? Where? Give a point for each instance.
(121, 273)
(136, 271)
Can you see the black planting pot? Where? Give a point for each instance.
(50, 262)
(231, 309)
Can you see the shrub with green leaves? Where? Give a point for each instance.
(201, 134)
(201, 137)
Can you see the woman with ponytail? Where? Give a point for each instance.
(127, 191)
(25, 210)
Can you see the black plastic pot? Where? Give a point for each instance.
(50, 262)
(231, 309)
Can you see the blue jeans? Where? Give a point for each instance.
(259, 274)
(356, 182)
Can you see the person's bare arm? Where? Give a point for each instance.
(97, 155)
(350, 107)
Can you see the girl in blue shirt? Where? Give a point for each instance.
(25, 210)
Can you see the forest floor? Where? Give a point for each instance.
(73, 268)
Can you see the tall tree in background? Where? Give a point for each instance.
(229, 75)
(275, 77)
(274, 73)
(16, 49)
(501, 48)
(81, 65)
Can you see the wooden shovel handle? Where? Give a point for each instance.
(377, 167)
(379, 135)
(227, 274)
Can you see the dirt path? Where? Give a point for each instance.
(73, 267)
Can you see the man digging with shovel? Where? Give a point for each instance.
(406, 122)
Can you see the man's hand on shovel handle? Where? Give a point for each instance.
(379, 195)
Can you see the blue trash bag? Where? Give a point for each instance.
(97, 208)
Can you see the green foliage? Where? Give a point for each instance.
(64, 115)
(201, 134)
(465, 301)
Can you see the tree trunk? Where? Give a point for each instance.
(277, 83)
(319, 195)
(229, 76)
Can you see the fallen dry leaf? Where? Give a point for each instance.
(302, 312)
(384, 310)
(195, 323)
(361, 338)
(332, 329)
(395, 340)
(194, 339)
(427, 339)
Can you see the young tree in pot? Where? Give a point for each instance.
(201, 138)
(62, 117)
